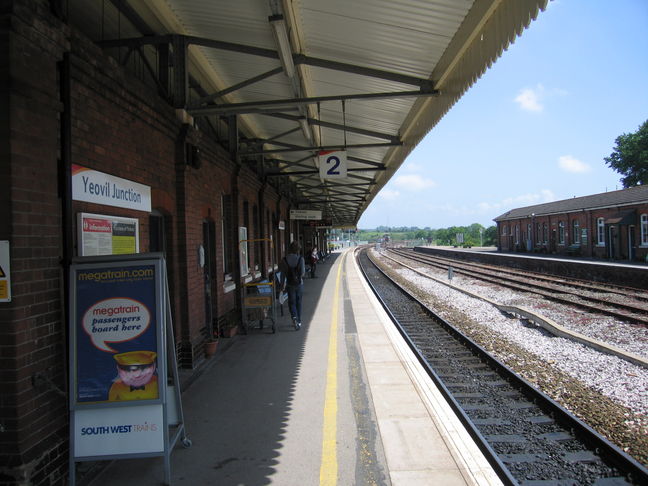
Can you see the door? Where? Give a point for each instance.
(208, 261)
(612, 242)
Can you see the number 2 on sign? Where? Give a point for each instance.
(333, 170)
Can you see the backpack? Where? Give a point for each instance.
(292, 278)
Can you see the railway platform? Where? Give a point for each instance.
(341, 401)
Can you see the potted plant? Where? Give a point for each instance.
(211, 342)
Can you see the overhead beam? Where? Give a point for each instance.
(273, 54)
(321, 148)
(330, 186)
(337, 126)
(423, 83)
(316, 171)
(255, 106)
(323, 201)
(365, 161)
(236, 87)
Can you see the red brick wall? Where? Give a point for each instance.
(33, 362)
(118, 126)
(587, 220)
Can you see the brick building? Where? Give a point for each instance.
(611, 225)
(68, 107)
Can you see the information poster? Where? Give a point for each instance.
(107, 235)
(5, 272)
(116, 334)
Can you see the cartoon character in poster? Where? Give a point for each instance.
(137, 379)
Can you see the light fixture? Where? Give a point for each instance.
(306, 129)
(283, 43)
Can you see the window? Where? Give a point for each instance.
(243, 235)
(517, 234)
(228, 257)
(545, 234)
(256, 234)
(538, 234)
(244, 256)
(157, 232)
(528, 235)
(600, 230)
(575, 232)
(561, 232)
(644, 229)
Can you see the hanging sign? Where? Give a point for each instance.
(333, 164)
(5, 273)
(306, 214)
(96, 187)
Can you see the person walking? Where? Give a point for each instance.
(292, 269)
(314, 257)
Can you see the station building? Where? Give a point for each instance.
(122, 132)
(611, 225)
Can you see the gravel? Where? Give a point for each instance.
(609, 393)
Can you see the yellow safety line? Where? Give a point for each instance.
(329, 467)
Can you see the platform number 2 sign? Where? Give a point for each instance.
(333, 165)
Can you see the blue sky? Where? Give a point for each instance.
(536, 127)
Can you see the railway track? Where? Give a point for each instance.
(626, 304)
(528, 438)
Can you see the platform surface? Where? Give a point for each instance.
(341, 401)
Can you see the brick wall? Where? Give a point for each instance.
(120, 127)
(33, 406)
(587, 220)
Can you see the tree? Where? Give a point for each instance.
(490, 236)
(630, 157)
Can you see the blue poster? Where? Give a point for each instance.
(117, 354)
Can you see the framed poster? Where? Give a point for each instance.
(117, 335)
(100, 234)
(5, 272)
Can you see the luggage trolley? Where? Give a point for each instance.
(260, 298)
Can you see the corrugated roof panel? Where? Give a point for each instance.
(401, 35)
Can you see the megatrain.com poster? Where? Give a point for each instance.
(116, 331)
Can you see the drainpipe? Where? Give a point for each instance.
(65, 192)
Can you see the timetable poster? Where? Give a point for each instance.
(116, 333)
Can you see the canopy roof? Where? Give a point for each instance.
(370, 77)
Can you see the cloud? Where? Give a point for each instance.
(413, 182)
(529, 98)
(545, 195)
(388, 194)
(572, 164)
(412, 167)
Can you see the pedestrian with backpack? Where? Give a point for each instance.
(292, 269)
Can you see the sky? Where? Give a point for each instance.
(535, 127)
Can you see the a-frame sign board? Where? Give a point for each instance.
(124, 389)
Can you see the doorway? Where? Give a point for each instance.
(208, 262)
